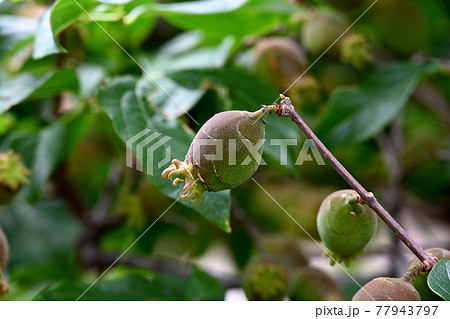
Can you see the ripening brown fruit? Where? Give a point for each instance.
(265, 279)
(345, 225)
(311, 284)
(279, 61)
(321, 30)
(387, 289)
(225, 153)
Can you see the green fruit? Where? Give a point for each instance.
(219, 157)
(335, 76)
(321, 30)
(285, 249)
(387, 289)
(420, 278)
(345, 225)
(400, 26)
(13, 174)
(279, 61)
(305, 92)
(265, 279)
(311, 284)
(355, 50)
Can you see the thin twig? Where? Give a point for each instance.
(368, 197)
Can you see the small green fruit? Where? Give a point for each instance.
(311, 284)
(420, 278)
(13, 174)
(387, 289)
(219, 157)
(336, 76)
(279, 61)
(265, 279)
(355, 51)
(285, 249)
(321, 30)
(345, 225)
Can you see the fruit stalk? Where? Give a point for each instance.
(287, 110)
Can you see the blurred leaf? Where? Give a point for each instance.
(218, 19)
(15, 89)
(164, 62)
(89, 76)
(439, 279)
(42, 151)
(357, 114)
(131, 116)
(199, 286)
(13, 30)
(58, 17)
(39, 234)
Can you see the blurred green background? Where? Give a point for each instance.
(77, 79)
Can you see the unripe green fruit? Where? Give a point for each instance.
(355, 50)
(265, 279)
(419, 281)
(337, 75)
(400, 26)
(387, 289)
(321, 30)
(279, 61)
(285, 249)
(305, 91)
(219, 157)
(13, 174)
(345, 225)
(311, 284)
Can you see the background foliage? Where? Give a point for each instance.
(77, 80)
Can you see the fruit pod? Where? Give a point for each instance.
(225, 153)
(311, 284)
(345, 225)
(419, 278)
(387, 289)
(279, 61)
(265, 279)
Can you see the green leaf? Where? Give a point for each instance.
(16, 89)
(200, 286)
(218, 19)
(39, 234)
(58, 17)
(134, 286)
(131, 116)
(14, 30)
(439, 279)
(357, 114)
(42, 151)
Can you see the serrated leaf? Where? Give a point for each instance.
(357, 114)
(439, 279)
(218, 19)
(55, 19)
(132, 116)
(17, 88)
